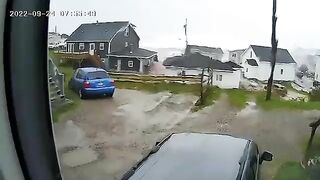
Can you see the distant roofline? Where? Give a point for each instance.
(205, 46)
(107, 22)
(267, 47)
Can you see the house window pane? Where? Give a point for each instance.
(247, 70)
(281, 71)
(126, 33)
(217, 77)
(251, 54)
(220, 77)
(101, 46)
(130, 63)
(81, 46)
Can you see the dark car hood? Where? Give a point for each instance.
(193, 156)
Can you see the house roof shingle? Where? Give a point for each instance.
(196, 61)
(136, 52)
(264, 53)
(252, 62)
(203, 49)
(97, 31)
(233, 65)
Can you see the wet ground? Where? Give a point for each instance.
(104, 137)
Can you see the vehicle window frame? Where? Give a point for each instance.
(254, 153)
(80, 75)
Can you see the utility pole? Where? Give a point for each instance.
(185, 31)
(274, 43)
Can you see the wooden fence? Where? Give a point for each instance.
(145, 78)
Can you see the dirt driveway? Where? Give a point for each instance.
(104, 137)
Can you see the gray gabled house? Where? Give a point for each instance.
(117, 44)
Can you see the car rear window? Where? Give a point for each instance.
(97, 75)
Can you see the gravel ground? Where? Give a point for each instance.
(104, 137)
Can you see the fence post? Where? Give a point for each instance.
(201, 87)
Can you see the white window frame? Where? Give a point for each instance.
(126, 32)
(220, 77)
(250, 54)
(81, 46)
(130, 64)
(101, 46)
(217, 77)
(281, 71)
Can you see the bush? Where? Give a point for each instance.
(315, 95)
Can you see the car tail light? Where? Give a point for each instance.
(86, 84)
(112, 82)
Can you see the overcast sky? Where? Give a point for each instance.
(229, 24)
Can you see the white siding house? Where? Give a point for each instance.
(225, 75)
(235, 56)
(256, 62)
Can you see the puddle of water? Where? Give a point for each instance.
(79, 157)
(68, 134)
(250, 109)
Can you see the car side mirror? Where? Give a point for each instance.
(266, 156)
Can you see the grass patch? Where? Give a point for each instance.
(277, 103)
(212, 94)
(238, 97)
(291, 171)
(159, 87)
(69, 94)
(315, 148)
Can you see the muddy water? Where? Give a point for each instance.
(110, 135)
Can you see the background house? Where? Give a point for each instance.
(224, 75)
(214, 53)
(56, 41)
(235, 55)
(116, 43)
(256, 62)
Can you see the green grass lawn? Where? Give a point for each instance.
(291, 171)
(277, 103)
(212, 94)
(238, 97)
(294, 171)
(69, 94)
(67, 71)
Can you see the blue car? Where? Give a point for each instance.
(91, 81)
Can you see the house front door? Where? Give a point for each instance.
(119, 65)
(91, 48)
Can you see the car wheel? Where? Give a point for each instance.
(81, 94)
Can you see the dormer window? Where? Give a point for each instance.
(126, 33)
